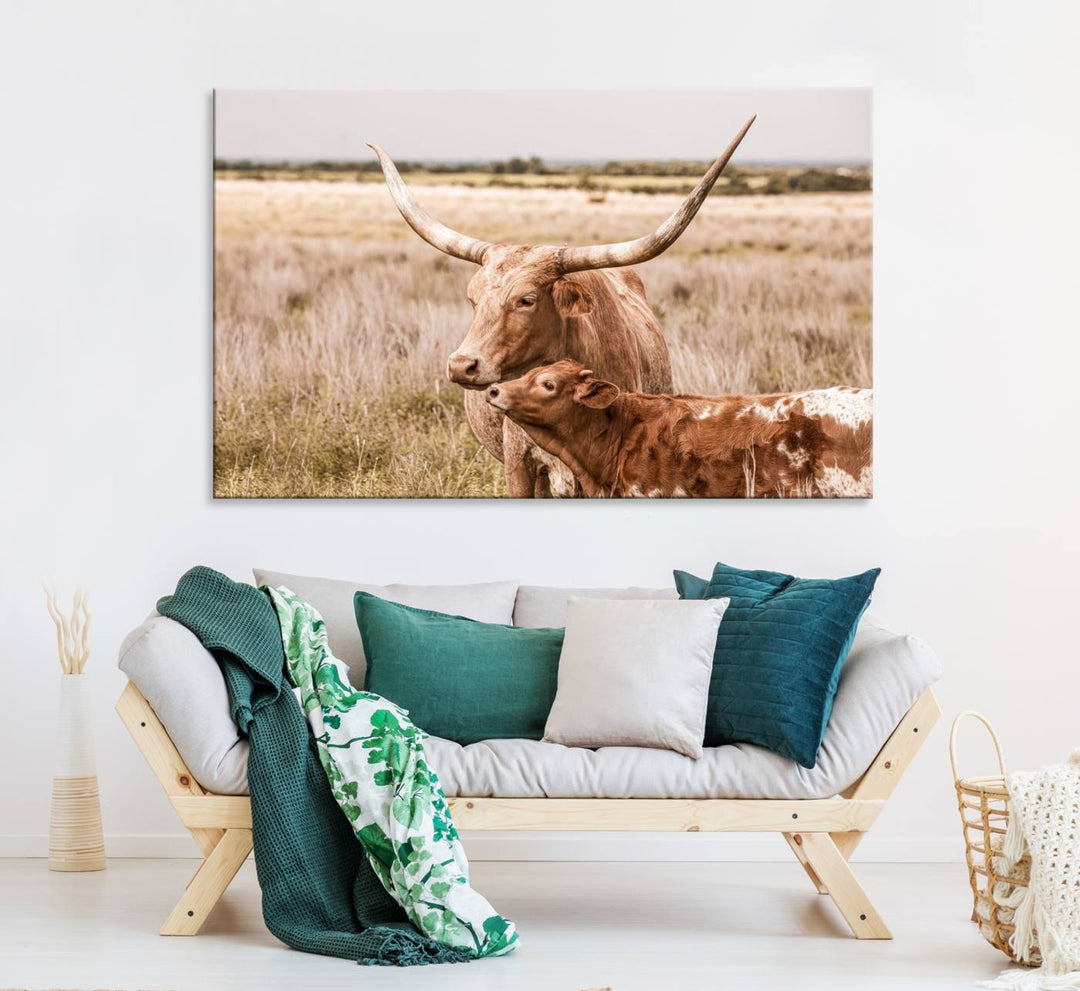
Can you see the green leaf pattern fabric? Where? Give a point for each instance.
(373, 756)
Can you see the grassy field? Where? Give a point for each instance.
(333, 321)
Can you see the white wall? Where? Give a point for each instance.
(105, 312)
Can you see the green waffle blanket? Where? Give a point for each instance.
(320, 893)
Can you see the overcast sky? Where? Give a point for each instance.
(793, 125)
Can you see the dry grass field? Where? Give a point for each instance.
(333, 321)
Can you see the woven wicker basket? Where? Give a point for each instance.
(984, 812)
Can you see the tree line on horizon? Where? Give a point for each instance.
(778, 178)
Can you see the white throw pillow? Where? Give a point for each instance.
(635, 673)
(486, 602)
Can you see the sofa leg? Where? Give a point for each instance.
(829, 865)
(795, 841)
(847, 842)
(209, 883)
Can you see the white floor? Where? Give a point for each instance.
(628, 927)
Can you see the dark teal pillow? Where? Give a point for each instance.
(779, 652)
(690, 586)
(459, 679)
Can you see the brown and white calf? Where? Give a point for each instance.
(616, 443)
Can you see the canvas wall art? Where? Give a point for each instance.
(534, 294)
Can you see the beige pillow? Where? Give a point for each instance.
(635, 673)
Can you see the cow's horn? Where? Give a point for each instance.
(437, 234)
(649, 246)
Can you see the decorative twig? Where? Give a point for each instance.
(50, 604)
(72, 633)
(69, 644)
(84, 653)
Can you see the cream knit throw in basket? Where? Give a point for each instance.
(1044, 822)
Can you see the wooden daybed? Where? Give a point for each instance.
(822, 833)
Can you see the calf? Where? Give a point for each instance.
(618, 443)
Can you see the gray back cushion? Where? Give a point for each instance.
(545, 605)
(488, 602)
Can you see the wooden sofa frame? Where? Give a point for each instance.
(822, 833)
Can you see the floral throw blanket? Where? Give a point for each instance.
(373, 756)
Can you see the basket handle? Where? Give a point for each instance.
(989, 729)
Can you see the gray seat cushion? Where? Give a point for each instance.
(884, 675)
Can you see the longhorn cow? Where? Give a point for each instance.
(537, 304)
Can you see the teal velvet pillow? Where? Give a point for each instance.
(459, 679)
(779, 652)
(690, 586)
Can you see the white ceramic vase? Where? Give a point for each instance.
(76, 840)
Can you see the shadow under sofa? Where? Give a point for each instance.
(176, 708)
